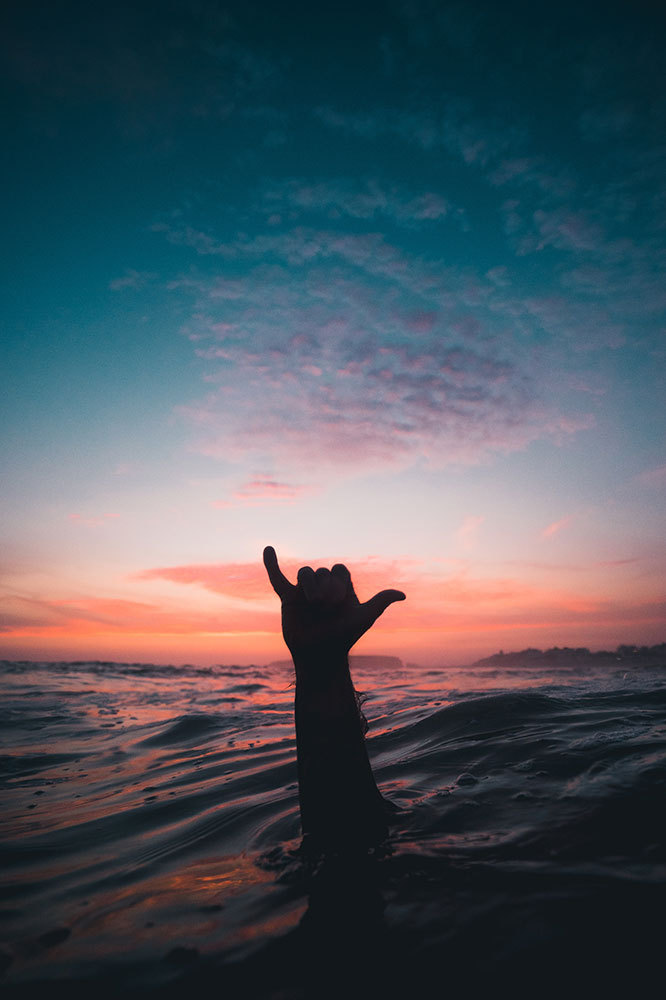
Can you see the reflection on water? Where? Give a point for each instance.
(150, 818)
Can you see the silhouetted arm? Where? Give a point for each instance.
(322, 618)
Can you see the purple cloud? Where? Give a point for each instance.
(338, 348)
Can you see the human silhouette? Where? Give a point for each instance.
(322, 618)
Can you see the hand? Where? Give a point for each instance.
(321, 614)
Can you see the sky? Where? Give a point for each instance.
(379, 283)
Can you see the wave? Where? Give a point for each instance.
(168, 797)
(185, 729)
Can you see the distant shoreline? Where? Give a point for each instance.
(563, 655)
(557, 656)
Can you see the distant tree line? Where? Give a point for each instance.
(568, 655)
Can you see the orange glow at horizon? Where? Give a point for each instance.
(219, 613)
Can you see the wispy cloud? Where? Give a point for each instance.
(242, 580)
(340, 348)
(614, 563)
(261, 491)
(133, 279)
(357, 200)
(92, 615)
(248, 581)
(557, 526)
(451, 124)
(606, 227)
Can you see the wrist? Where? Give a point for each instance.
(320, 664)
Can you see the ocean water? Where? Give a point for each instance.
(150, 834)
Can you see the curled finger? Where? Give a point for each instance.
(341, 573)
(309, 584)
(332, 588)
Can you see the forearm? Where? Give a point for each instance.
(340, 802)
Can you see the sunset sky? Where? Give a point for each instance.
(380, 283)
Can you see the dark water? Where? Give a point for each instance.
(150, 835)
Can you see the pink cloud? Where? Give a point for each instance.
(249, 581)
(263, 490)
(557, 526)
(244, 580)
(100, 615)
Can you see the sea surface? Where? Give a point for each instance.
(150, 834)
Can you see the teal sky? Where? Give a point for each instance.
(375, 282)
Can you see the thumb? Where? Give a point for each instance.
(378, 604)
